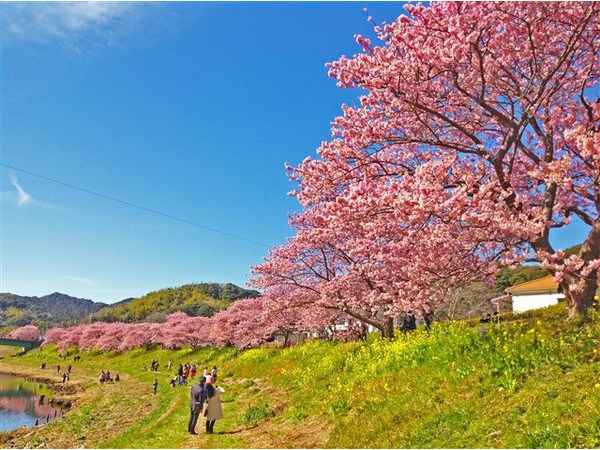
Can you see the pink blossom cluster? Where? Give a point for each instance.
(475, 138)
(26, 333)
(246, 323)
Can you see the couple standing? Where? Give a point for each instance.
(205, 398)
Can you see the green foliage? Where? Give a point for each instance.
(510, 277)
(573, 250)
(532, 381)
(437, 390)
(202, 299)
(255, 414)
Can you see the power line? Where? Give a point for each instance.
(133, 205)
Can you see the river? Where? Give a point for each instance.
(22, 402)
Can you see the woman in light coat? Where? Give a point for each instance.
(213, 410)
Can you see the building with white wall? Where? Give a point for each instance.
(535, 294)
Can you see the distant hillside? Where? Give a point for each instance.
(49, 310)
(201, 299)
(506, 277)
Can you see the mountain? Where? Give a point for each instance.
(199, 299)
(46, 311)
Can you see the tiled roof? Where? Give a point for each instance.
(541, 285)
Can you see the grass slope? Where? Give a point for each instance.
(532, 381)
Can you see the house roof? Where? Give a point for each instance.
(544, 285)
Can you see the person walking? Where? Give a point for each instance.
(213, 373)
(180, 375)
(214, 410)
(155, 386)
(197, 400)
(428, 319)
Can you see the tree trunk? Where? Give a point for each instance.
(579, 295)
(582, 295)
(388, 328)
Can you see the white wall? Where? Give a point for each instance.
(523, 303)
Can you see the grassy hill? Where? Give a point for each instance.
(531, 381)
(201, 299)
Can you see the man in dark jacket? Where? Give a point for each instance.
(409, 323)
(197, 399)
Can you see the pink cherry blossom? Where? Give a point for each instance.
(475, 138)
(26, 333)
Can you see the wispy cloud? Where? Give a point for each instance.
(23, 198)
(70, 22)
(80, 280)
(20, 197)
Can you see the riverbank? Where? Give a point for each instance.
(78, 426)
(531, 381)
(126, 414)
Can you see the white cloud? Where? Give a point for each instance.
(23, 198)
(80, 280)
(69, 21)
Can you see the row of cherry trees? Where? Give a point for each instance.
(478, 134)
(246, 323)
(26, 333)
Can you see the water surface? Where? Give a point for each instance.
(24, 402)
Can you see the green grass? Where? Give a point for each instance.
(533, 381)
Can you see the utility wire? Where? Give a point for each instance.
(133, 205)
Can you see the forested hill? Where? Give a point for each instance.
(46, 311)
(201, 299)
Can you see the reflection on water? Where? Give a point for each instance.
(24, 403)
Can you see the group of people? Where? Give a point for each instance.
(105, 377)
(189, 371)
(205, 399)
(66, 355)
(409, 321)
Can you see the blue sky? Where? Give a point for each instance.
(190, 109)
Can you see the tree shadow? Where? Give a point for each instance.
(236, 431)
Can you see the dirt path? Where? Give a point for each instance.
(122, 415)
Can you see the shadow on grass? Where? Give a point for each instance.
(236, 431)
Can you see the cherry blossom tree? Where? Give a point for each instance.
(140, 335)
(477, 135)
(26, 333)
(230, 325)
(181, 329)
(366, 259)
(112, 335)
(65, 338)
